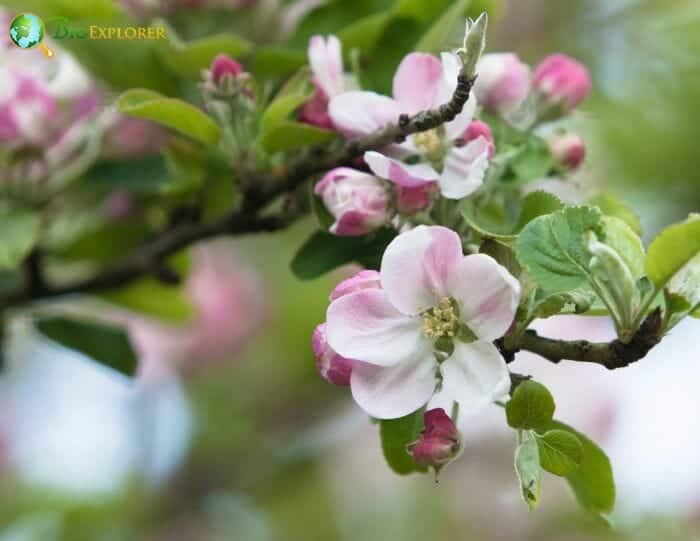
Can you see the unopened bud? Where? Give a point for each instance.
(568, 150)
(224, 65)
(439, 442)
(332, 367)
(562, 82)
(503, 82)
(477, 129)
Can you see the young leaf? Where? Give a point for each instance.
(561, 452)
(531, 407)
(671, 250)
(536, 204)
(527, 466)
(396, 434)
(323, 252)
(289, 135)
(592, 482)
(171, 112)
(622, 238)
(612, 206)
(552, 248)
(19, 232)
(106, 344)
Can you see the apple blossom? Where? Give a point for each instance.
(503, 82)
(358, 201)
(439, 442)
(569, 150)
(224, 65)
(332, 367)
(428, 329)
(477, 129)
(421, 82)
(562, 81)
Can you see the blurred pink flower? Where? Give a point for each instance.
(569, 150)
(229, 310)
(128, 138)
(562, 81)
(503, 82)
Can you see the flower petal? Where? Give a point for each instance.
(456, 128)
(365, 326)
(487, 295)
(394, 391)
(325, 58)
(404, 175)
(474, 376)
(417, 266)
(465, 169)
(359, 113)
(417, 81)
(451, 67)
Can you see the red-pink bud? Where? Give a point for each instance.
(222, 65)
(332, 367)
(569, 150)
(439, 442)
(562, 81)
(477, 129)
(503, 82)
(315, 111)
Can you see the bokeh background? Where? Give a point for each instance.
(258, 448)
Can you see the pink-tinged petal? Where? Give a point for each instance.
(315, 111)
(455, 129)
(465, 169)
(474, 376)
(332, 367)
(417, 265)
(487, 295)
(326, 60)
(404, 175)
(360, 113)
(451, 66)
(365, 279)
(365, 326)
(411, 200)
(394, 391)
(417, 82)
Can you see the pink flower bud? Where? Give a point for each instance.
(332, 367)
(439, 442)
(480, 129)
(223, 65)
(503, 82)
(365, 279)
(358, 201)
(412, 200)
(569, 150)
(315, 111)
(562, 81)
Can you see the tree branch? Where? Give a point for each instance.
(611, 355)
(149, 257)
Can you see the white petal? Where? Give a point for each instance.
(456, 128)
(474, 376)
(325, 58)
(394, 391)
(404, 175)
(417, 81)
(487, 295)
(365, 326)
(417, 265)
(361, 113)
(465, 169)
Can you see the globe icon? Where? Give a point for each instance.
(26, 30)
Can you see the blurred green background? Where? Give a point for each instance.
(277, 454)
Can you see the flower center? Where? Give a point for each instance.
(442, 320)
(429, 144)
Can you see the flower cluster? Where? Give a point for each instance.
(450, 161)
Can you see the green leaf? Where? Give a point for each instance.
(531, 407)
(488, 224)
(323, 252)
(289, 135)
(76, 10)
(533, 161)
(278, 112)
(592, 482)
(536, 204)
(577, 301)
(696, 313)
(171, 112)
(561, 452)
(19, 233)
(106, 344)
(622, 238)
(446, 32)
(552, 248)
(612, 206)
(365, 33)
(190, 58)
(671, 250)
(501, 253)
(277, 61)
(420, 10)
(396, 435)
(527, 466)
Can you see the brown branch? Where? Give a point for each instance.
(611, 355)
